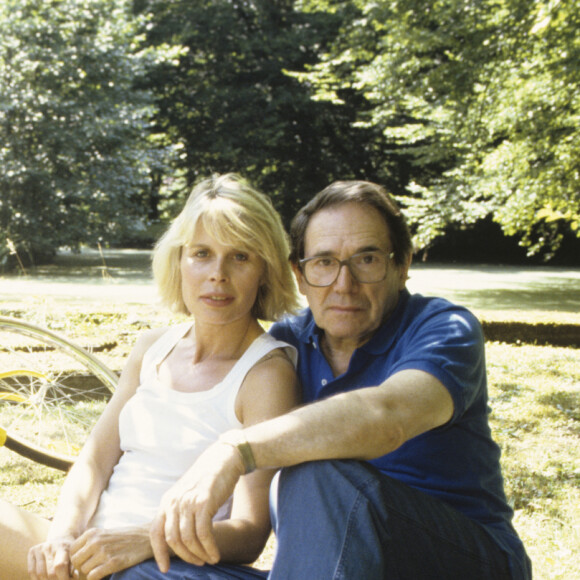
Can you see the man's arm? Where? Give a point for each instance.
(361, 424)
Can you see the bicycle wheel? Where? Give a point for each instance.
(51, 393)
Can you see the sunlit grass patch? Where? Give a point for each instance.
(28, 484)
(535, 400)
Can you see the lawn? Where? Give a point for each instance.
(535, 401)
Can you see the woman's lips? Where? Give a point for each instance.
(217, 299)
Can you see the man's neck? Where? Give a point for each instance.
(338, 354)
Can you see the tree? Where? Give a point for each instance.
(529, 166)
(477, 98)
(229, 105)
(74, 152)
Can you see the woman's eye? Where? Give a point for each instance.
(198, 254)
(241, 257)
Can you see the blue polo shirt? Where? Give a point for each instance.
(458, 462)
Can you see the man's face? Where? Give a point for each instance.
(348, 311)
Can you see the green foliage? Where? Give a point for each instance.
(479, 98)
(229, 106)
(465, 109)
(73, 126)
(530, 164)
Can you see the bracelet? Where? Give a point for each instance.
(239, 442)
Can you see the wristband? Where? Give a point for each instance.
(238, 441)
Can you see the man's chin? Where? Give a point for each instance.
(350, 332)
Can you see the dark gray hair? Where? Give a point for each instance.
(363, 192)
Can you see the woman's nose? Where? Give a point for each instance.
(218, 272)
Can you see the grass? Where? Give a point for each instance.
(535, 400)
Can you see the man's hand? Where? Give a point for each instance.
(98, 553)
(51, 559)
(184, 524)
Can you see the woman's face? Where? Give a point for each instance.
(219, 283)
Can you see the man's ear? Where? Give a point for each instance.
(299, 278)
(404, 272)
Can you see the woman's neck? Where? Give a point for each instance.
(224, 342)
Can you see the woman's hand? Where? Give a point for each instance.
(98, 553)
(51, 560)
(184, 523)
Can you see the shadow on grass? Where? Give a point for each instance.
(532, 491)
(565, 402)
(507, 391)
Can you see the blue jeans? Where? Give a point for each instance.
(180, 570)
(343, 520)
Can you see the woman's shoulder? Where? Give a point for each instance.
(270, 387)
(272, 347)
(277, 362)
(148, 338)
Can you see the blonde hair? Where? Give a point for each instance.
(233, 213)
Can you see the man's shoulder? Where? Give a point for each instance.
(419, 306)
(435, 317)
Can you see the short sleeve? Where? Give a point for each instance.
(449, 345)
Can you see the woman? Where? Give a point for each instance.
(224, 262)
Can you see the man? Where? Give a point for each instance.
(389, 469)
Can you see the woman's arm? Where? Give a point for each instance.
(91, 471)
(270, 389)
(89, 475)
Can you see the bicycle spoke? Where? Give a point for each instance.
(51, 391)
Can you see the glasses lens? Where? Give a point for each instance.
(369, 267)
(321, 271)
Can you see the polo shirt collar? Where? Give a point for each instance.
(308, 332)
(382, 340)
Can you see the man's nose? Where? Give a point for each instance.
(345, 280)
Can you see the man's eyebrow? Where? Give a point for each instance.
(369, 249)
(323, 253)
(361, 250)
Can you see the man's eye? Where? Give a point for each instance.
(323, 262)
(369, 259)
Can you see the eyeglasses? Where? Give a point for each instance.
(364, 267)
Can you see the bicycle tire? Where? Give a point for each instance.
(51, 393)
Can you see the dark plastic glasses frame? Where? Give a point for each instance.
(302, 263)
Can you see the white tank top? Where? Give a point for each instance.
(163, 431)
